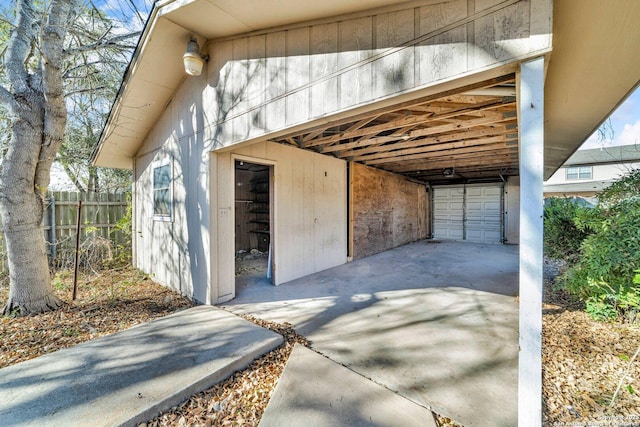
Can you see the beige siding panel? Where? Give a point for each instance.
(276, 80)
(297, 75)
(443, 55)
(356, 46)
(394, 72)
(502, 35)
(388, 211)
(512, 210)
(324, 62)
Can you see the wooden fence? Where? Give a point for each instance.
(99, 215)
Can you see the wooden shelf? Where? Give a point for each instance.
(260, 231)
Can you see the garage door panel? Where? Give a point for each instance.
(484, 214)
(448, 213)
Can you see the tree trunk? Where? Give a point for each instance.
(38, 119)
(31, 291)
(22, 209)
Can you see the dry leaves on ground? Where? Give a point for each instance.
(583, 363)
(106, 303)
(241, 399)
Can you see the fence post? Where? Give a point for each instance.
(75, 268)
(52, 226)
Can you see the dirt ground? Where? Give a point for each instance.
(583, 361)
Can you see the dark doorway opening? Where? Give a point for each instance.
(253, 224)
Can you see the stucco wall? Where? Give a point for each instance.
(387, 210)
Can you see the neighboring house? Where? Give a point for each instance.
(587, 172)
(359, 126)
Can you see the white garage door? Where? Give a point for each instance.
(472, 213)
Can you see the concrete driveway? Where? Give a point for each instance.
(435, 322)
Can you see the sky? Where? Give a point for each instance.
(625, 122)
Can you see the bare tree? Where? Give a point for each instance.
(54, 51)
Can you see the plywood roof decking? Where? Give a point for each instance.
(472, 133)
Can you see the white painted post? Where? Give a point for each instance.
(531, 112)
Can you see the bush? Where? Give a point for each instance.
(562, 237)
(606, 273)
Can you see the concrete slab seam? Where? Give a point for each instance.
(206, 382)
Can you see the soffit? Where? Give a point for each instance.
(594, 66)
(236, 17)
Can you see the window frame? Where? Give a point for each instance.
(168, 217)
(578, 172)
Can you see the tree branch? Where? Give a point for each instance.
(85, 90)
(19, 46)
(55, 113)
(102, 43)
(7, 98)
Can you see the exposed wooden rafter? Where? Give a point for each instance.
(474, 134)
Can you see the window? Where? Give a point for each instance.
(162, 194)
(581, 172)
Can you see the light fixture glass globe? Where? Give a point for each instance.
(193, 63)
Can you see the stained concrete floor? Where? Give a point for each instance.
(435, 322)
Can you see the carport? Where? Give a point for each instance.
(463, 93)
(437, 322)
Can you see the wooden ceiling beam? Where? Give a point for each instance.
(451, 158)
(509, 78)
(479, 162)
(465, 144)
(480, 146)
(482, 109)
(355, 151)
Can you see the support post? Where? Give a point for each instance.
(531, 129)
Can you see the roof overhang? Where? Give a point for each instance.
(594, 65)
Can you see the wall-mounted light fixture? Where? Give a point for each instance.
(193, 59)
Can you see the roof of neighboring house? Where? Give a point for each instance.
(577, 187)
(609, 155)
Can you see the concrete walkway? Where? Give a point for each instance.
(128, 377)
(315, 391)
(435, 322)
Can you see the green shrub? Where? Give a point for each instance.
(605, 274)
(562, 237)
